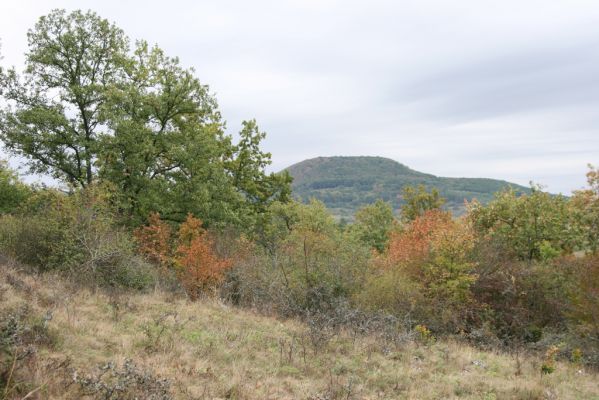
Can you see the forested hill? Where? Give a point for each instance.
(345, 184)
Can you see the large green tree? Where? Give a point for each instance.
(88, 108)
(167, 147)
(54, 117)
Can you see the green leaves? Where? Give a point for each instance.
(532, 227)
(53, 117)
(373, 225)
(417, 201)
(12, 191)
(87, 108)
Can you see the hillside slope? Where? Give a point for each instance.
(345, 184)
(63, 342)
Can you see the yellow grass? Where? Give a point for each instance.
(209, 350)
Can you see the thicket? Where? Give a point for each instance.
(155, 192)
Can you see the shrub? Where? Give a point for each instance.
(75, 234)
(427, 272)
(584, 295)
(199, 268)
(127, 382)
(190, 254)
(12, 191)
(302, 262)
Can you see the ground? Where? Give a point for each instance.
(209, 350)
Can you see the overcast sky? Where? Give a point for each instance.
(503, 89)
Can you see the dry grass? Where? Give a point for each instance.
(209, 350)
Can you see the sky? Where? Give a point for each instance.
(466, 88)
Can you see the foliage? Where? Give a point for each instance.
(76, 234)
(88, 108)
(531, 227)
(585, 296)
(246, 165)
(373, 224)
(154, 240)
(303, 263)
(56, 114)
(523, 299)
(418, 201)
(431, 258)
(12, 191)
(585, 204)
(190, 253)
(200, 268)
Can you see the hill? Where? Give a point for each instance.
(60, 341)
(345, 184)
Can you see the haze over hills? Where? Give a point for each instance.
(345, 184)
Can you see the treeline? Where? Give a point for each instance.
(158, 195)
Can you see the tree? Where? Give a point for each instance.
(417, 201)
(529, 227)
(373, 224)
(166, 153)
(246, 165)
(87, 108)
(54, 117)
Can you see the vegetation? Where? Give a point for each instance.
(71, 343)
(344, 184)
(89, 109)
(169, 244)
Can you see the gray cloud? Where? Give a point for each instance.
(467, 88)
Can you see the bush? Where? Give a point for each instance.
(304, 262)
(426, 273)
(190, 254)
(77, 235)
(12, 191)
(126, 382)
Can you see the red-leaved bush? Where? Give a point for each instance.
(190, 253)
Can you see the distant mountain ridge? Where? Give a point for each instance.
(345, 184)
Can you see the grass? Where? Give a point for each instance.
(209, 350)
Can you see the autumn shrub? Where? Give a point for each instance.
(427, 273)
(199, 267)
(190, 254)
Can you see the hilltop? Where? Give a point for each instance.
(345, 184)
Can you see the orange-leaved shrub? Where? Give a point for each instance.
(190, 253)
(154, 240)
(199, 267)
(426, 273)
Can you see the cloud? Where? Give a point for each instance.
(467, 88)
